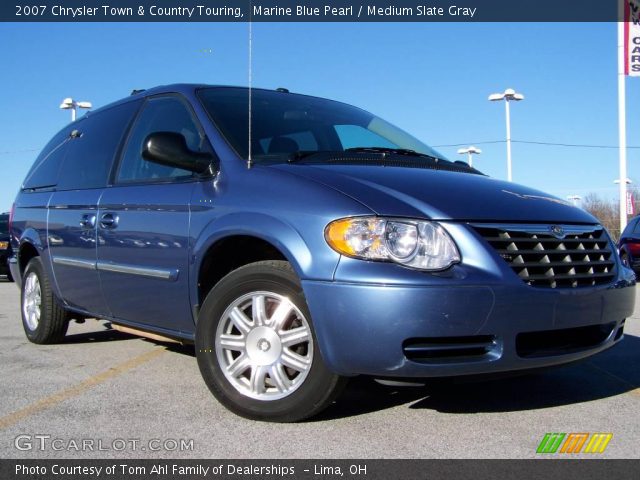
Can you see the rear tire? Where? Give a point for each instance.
(256, 346)
(43, 319)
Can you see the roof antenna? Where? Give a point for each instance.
(249, 158)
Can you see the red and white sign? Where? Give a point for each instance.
(632, 38)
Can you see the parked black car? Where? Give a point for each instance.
(629, 245)
(5, 246)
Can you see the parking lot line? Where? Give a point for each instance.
(56, 398)
(636, 388)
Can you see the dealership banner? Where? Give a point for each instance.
(632, 38)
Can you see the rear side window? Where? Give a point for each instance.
(90, 155)
(45, 170)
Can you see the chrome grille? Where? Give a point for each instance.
(571, 257)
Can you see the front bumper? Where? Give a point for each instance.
(371, 328)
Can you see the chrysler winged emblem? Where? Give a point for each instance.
(557, 231)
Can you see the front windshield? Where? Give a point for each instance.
(283, 124)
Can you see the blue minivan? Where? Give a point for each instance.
(299, 241)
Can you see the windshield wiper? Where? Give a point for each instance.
(307, 154)
(333, 156)
(304, 154)
(393, 151)
(436, 161)
(293, 157)
(401, 157)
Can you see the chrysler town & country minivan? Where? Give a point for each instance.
(317, 243)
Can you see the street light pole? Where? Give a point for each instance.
(470, 151)
(508, 117)
(622, 128)
(70, 104)
(574, 199)
(509, 95)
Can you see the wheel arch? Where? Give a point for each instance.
(29, 247)
(244, 238)
(230, 253)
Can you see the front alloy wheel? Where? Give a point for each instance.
(263, 345)
(256, 346)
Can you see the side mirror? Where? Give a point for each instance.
(170, 149)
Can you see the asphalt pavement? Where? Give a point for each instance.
(105, 394)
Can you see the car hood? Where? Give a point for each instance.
(440, 195)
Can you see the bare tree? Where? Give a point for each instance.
(607, 211)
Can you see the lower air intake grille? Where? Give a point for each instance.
(561, 342)
(554, 256)
(449, 348)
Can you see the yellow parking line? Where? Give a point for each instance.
(78, 389)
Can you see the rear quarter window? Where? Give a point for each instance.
(45, 170)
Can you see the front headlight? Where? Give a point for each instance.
(414, 243)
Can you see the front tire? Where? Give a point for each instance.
(257, 349)
(43, 319)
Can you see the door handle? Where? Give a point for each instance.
(88, 220)
(109, 220)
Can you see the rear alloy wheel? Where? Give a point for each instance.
(32, 301)
(43, 319)
(256, 346)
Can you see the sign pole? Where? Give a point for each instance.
(622, 123)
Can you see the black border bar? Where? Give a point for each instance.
(316, 11)
(324, 469)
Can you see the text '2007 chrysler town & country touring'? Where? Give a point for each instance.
(319, 244)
